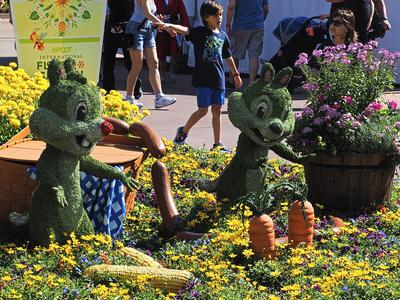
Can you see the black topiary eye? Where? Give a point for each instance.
(81, 111)
(262, 110)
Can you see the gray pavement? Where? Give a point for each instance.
(164, 121)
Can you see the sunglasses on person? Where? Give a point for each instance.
(337, 23)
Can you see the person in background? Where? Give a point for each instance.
(172, 11)
(211, 47)
(341, 31)
(245, 27)
(141, 27)
(120, 12)
(363, 12)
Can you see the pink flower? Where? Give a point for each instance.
(376, 105)
(347, 99)
(397, 125)
(392, 104)
(355, 124)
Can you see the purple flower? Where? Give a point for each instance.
(309, 87)
(318, 121)
(332, 112)
(317, 53)
(347, 99)
(297, 115)
(307, 111)
(302, 60)
(392, 104)
(307, 130)
(324, 107)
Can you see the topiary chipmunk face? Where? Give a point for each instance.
(263, 112)
(69, 113)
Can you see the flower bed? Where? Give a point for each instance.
(361, 263)
(19, 94)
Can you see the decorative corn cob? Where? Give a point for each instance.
(161, 278)
(140, 258)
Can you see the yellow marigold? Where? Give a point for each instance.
(12, 65)
(15, 123)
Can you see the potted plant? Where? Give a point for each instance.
(261, 226)
(352, 130)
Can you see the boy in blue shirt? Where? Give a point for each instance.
(211, 47)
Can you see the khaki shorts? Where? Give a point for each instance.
(251, 40)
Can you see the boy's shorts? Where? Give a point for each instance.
(209, 96)
(142, 39)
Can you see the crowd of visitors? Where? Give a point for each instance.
(138, 26)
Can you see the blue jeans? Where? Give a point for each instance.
(143, 38)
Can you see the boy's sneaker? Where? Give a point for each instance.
(132, 100)
(180, 136)
(221, 148)
(164, 101)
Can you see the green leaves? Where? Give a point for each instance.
(34, 16)
(86, 15)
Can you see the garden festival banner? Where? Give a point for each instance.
(47, 29)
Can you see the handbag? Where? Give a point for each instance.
(122, 39)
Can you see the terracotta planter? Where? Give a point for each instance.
(349, 182)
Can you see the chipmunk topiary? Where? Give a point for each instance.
(264, 115)
(69, 120)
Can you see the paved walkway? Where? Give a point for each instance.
(164, 121)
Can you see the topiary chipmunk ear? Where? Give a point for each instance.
(72, 74)
(55, 72)
(267, 73)
(282, 79)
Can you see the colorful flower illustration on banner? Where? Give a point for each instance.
(61, 15)
(37, 39)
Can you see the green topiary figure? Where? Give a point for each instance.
(264, 115)
(69, 121)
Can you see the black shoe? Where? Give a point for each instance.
(229, 85)
(138, 93)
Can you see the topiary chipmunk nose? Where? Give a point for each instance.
(106, 128)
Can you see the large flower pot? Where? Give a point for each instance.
(349, 182)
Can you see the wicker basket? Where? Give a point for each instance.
(20, 153)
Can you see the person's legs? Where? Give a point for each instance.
(239, 44)
(217, 100)
(204, 100)
(137, 92)
(154, 74)
(194, 118)
(137, 64)
(216, 123)
(254, 48)
(109, 52)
